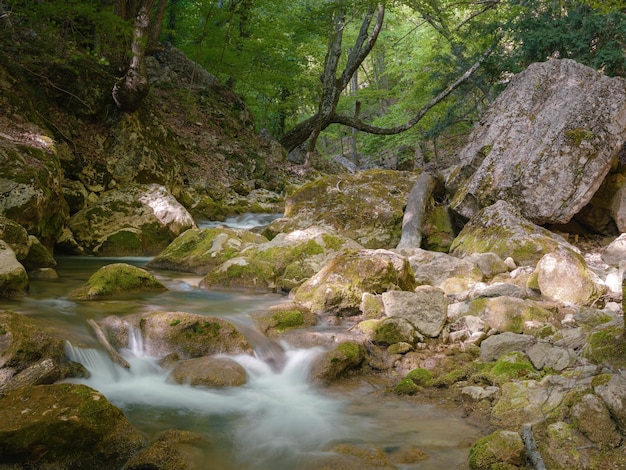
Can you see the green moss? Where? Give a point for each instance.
(332, 242)
(420, 376)
(578, 135)
(607, 346)
(601, 379)
(406, 387)
(287, 319)
(115, 279)
(174, 322)
(3, 330)
(514, 366)
(352, 351)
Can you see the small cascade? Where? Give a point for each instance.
(135, 341)
(95, 361)
(265, 349)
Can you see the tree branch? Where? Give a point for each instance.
(365, 127)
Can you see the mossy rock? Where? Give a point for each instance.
(406, 387)
(13, 277)
(607, 346)
(117, 279)
(23, 342)
(243, 273)
(420, 376)
(438, 230)
(497, 449)
(200, 250)
(38, 256)
(338, 363)
(64, 426)
(15, 236)
(190, 335)
(339, 286)
(366, 206)
(209, 371)
(513, 366)
(506, 313)
(283, 318)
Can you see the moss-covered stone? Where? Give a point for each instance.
(116, 279)
(243, 273)
(498, 448)
(200, 250)
(64, 426)
(338, 363)
(284, 317)
(420, 376)
(607, 346)
(406, 387)
(438, 229)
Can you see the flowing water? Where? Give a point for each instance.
(278, 420)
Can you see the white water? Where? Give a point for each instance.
(245, 221)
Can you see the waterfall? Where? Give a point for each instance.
(135, 341)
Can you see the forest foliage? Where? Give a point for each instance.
(273, 53)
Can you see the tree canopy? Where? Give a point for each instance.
(377, 75)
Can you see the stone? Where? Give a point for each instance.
(563, 276)
(366, 206)
(476, 393)
(425, 309)
(190, 335)
(172, 450)
(64, 426)
(507, 313)
(337, 363)
(546, 144)
(614, 254)
(38, 257)
(501, 229)
(612, 390)
(284, 317)
(15, 236)
(338, 287)
(13, 277)
(492, 348)
(117, 279)
(434, 268)
(490, 264)
(133, 220)
(209, 371)
(592, 418)
(497, 450)
(544, 355)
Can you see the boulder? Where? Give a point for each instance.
(389, 331)
(545, 355)
(337, 363)
(190, 335)
(64, 426)
(134, 220)
(501, 229)
(612, 390)
(546, 144)
(30, 184)
(172, 450)
(507, 313)
(425, 309)
(591, 417)
(614, 254)
(366, 206)
(498, 345)
(13, 277)
(209, 371)
(15, 236)
(433, 268)
(117, 279)
(199, 250)
(284, 317)
(38, 256)
(338, 287)
(284, 263)
(563, 276)
(501, 449)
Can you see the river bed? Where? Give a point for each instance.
(278, 420)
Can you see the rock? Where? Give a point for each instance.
(24, 343)
(544, 355)
(390, 331)
(546, 144)
(592, 418)
(190, 335)
(38, 256)
(606, 346)
(476, 393)
(13, 277)
(134, 220)
(526, 401)
(172, 450)
(563, 447)
(490, 264)
(563, 276)
(507, 313)
(15, 236)
(372, 306)
(64, 426)
(337, 363)
(281, 264)
(501, 229)
(425, 309)
(500, 289)
(614, 254)
(366, 206)
(117, 279)
(281, 318)
(209, 372)
(199, 250)
(497, 450)
(497, 345)
(436, 268)
(338, 287)
(30, 185)
(612, 390)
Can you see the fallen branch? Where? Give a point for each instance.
(531, 447)
(415, 210)
(113, 354)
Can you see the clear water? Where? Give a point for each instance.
(278, 420)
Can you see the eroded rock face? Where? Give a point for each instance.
(546, 144)
(366, 207)
(64, 426)
(135, 220)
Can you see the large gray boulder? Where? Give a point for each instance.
(426, 308)
(134, 220)
(546, 144)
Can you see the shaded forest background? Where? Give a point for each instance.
(277, 55)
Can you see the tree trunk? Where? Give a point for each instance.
(43, 372)
(131, 90)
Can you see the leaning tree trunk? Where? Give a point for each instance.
(130, 91)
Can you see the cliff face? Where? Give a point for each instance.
(62, 140)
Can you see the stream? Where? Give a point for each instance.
(278, 420)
